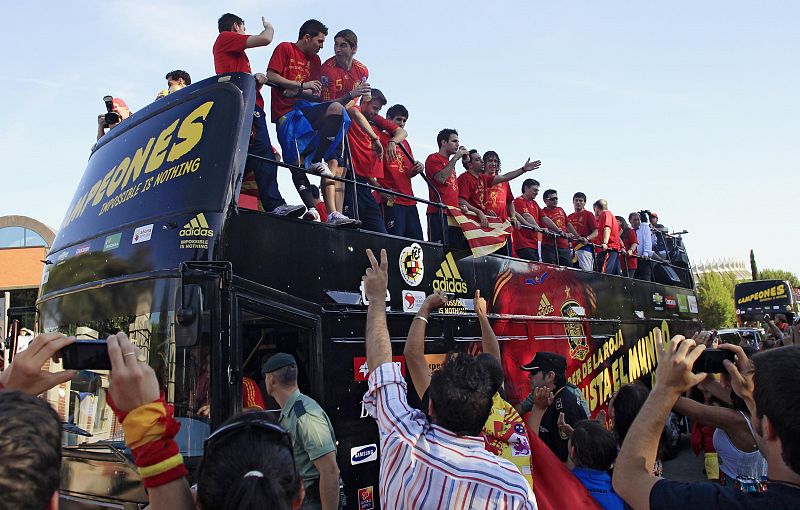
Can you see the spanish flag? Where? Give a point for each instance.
(482, 241)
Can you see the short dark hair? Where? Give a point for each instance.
(549, 192)
(396, 110)
(226, 21)
(444, 136)
(461, 394)
(777, 396)
(527, 183)
(349, 36)
(628, 401)
(312, 27)
(222, 482)
(178, 75)
(494, 369)
(468, 157)
(579, 194)
(287, 376)
(377, 95)
(30, 449)
(314, 190)
(595, 447)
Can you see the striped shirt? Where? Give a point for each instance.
(424, 466)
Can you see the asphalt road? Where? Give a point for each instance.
(685, 467)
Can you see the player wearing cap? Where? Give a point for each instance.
(550, 397)
(312, 434)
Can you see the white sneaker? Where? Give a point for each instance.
(321, 168)
(293, 211)
(311, 215)
(337, 219)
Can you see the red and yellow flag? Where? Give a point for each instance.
(482, 241)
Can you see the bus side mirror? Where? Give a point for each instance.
(190, 318)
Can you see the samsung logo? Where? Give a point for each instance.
(362, 454)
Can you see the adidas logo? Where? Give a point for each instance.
(197, 227)
(448, 279)
(545, 308)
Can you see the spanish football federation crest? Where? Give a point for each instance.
(412, 268)
(578, 347)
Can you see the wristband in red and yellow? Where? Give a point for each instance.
(159, 462)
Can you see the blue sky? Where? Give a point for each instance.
(686, 108)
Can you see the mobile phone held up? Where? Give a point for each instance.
(710, 361)
(86, 355)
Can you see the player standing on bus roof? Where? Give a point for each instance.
(585, 224)
(526, 241)
(342, 76)
(399, 214)
(608, 236)
(440, 168)
(555, 251)
(229, 57)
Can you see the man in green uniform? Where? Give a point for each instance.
(311, 431)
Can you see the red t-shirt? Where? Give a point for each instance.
(449, 190)
(337, 82)
(397, 172)
(497, 198)
(525, 238)
(583, 222)
(473, 188)
(607, 219)
(559, 217)
(629, 239)
(291, 63)
(229, 57)
(323, 211)
(365, 162)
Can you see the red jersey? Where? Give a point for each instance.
(365, 162)
(497, 198)
(525, 238)
(291, 63)
(629, 239)
(584, 222)
(397, 173)
(607, 219)
(449, 190)
(473, 188)
(337, 82)
(323, 211)
(229, 57)
(559, 217)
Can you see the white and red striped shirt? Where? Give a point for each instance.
(426, 466)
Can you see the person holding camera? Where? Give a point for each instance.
(117, 111)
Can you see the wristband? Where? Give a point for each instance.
(526, 405)
(301, 85)
(420, 317)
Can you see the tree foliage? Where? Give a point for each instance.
(753, 266)
(715, 300)
(779, 274)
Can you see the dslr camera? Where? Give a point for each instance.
(111, 117)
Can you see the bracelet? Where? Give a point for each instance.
(420, 317)
(301, 85)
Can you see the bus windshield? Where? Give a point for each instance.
(145, 311)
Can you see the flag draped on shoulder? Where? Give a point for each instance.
(482, 241)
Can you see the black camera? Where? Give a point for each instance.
(86, 355)
(711, 361)
(111, 117)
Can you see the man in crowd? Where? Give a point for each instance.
(555, 249)
(120, 108)
(440, 168)
(644, 248)
(176, 80)
(399, 214)
(295, 69)
(342, 76)
(608, 238)
(657, 237)
(778, 329)
(312, 434)
(229, 57)
(550, 396)
(367, 152)
(444, 464)
(586, 226)
(526, 240)
(769, 385)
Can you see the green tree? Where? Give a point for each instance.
(753, 266)
(715, 300)
(780, 274)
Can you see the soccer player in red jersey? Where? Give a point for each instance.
(440, 169)
(608, 235)
(229, 57)
(555, 251)
(399, 214)
(526, 241)
(295, 69)
(586, 226)
(629, 244)
(499, 198)
(367, 153)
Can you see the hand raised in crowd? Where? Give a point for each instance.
(564, 427)
(133, 381)
(376, 278)
(741, 373)
(434, 301)
(25, 371)
(542, 398)
(531, 165)
(674, 372)
(480, 304)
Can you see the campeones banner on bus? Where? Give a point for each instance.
(175, 159)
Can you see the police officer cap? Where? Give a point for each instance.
(276, 361)
(547, 362)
